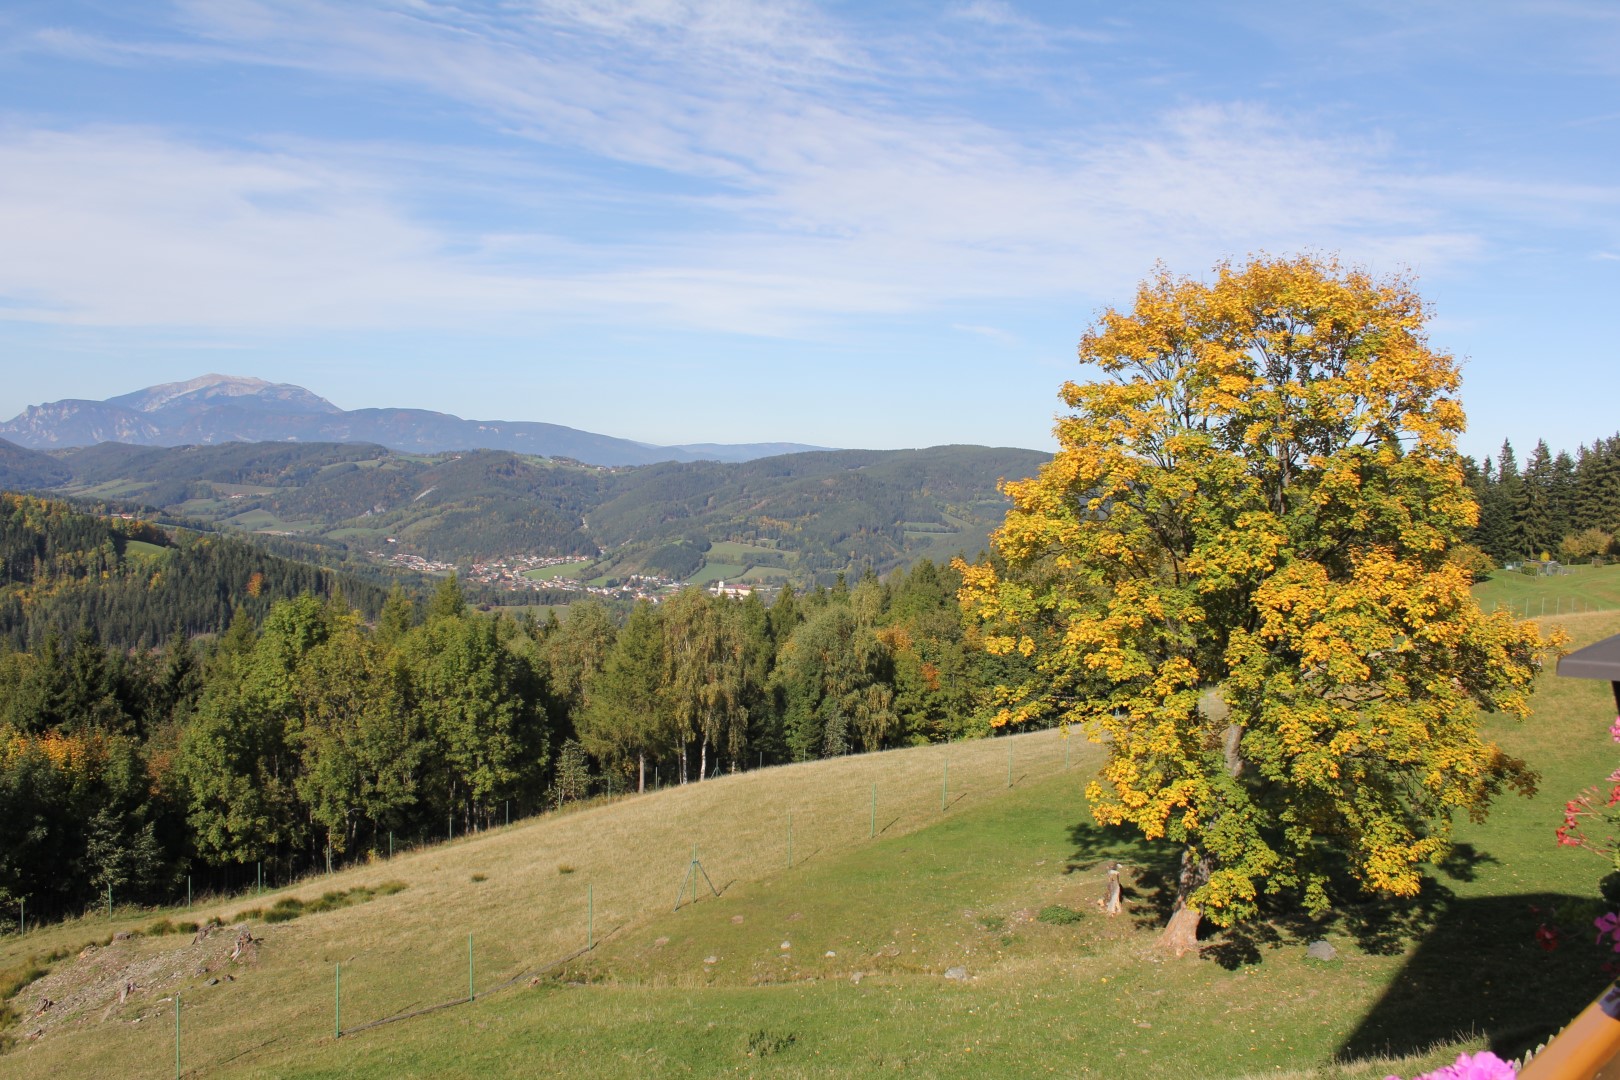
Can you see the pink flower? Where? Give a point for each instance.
(1481, 1066)
(1608, 926)
(1614, 729)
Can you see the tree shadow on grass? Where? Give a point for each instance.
(1464, 861)
(1475, 965)
(1381, 928)
(1148, 877)
(1479, 969)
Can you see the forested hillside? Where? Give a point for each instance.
(23, 470)
(322, 729)
(834, 509)
(133, 584)
(802, 517)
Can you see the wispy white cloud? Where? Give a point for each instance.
(783, 182)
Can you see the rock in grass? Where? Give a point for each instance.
(1321, 950)
(957, 973)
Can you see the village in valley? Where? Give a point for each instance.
(515, 573)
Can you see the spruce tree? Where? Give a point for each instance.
(1533, 531)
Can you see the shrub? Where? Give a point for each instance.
(1058, 915)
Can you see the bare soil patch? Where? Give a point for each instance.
(126, 980)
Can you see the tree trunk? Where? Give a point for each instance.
(703, 759)
(1181, 934)
(641, 772)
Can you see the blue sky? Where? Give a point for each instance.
(852, 224)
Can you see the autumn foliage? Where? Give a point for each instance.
(1235, 573)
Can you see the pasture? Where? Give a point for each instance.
(710, 572)
(1580, 588)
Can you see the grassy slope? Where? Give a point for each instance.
(1582, 589)
(931, 892)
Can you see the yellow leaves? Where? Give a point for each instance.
(82, 755)
(1259, 496)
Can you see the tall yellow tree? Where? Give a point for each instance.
(1234, 574)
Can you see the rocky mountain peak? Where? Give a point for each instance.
(208, 390)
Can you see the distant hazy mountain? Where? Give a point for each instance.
(226, 408)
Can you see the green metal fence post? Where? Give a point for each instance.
(337, 1001)
(109, 901)
(261, 875)
(790, 840)
(188, 891)
(1009, 763)
(470, 995)
(944, 785)
(872, 834)
(390, 843)
(590, 916)
(22, 915)
(509, 811)
(177, 1037)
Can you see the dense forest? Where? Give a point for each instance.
(135, 583)
(322, 730)
(1558, 505)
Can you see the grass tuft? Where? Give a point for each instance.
(765, 1043)
(1058, 915)
(289, 908)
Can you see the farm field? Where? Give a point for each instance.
(711, 988)
(264, 520)
(732, 551)
(711, 572)
(371, 535)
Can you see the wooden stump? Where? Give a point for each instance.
(1111, 896)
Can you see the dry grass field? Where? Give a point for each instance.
(522, 893)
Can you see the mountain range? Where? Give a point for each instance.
(216, 409)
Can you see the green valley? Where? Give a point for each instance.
(802, 517)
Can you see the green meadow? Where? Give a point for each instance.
(1579, 588)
